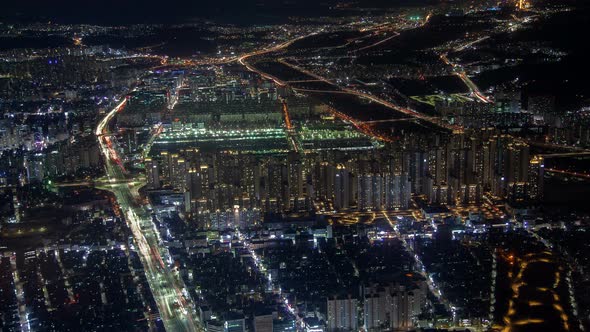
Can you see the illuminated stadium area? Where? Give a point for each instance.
(262, 141)
(308, 138)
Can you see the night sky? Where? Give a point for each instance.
(145, 11)
(175, 11)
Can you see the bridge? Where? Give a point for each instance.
(566, 154)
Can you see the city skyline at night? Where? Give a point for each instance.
(262, 166)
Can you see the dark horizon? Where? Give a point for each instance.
(112, 12)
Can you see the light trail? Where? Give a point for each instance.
(302, 81)
(567, 154)
(464, 46)
(243, 61)
(395, 34)
(176, 311)
(574, 150)
(570, 173)
(388, 120)
(286, 114)
(377, 43)
(367, 130)
(458, 71)
(290, 130)
(380, 101)
(243, 58)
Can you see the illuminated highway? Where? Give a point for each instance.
(366, 129)
(343, 90)
(570, 173)
(458, 70)
(388, 27)
(243, 58)
(469, 44)
(567, 154)
(378, 43)
(363, 127)
(573, 151)
(293, 143)
(243, 61)
(375, 99)
(176, 308)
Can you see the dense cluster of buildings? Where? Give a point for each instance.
(339, 282)
(69, 288)
(453, 171)
(50, 100)
(71, 265)
(295, 203)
